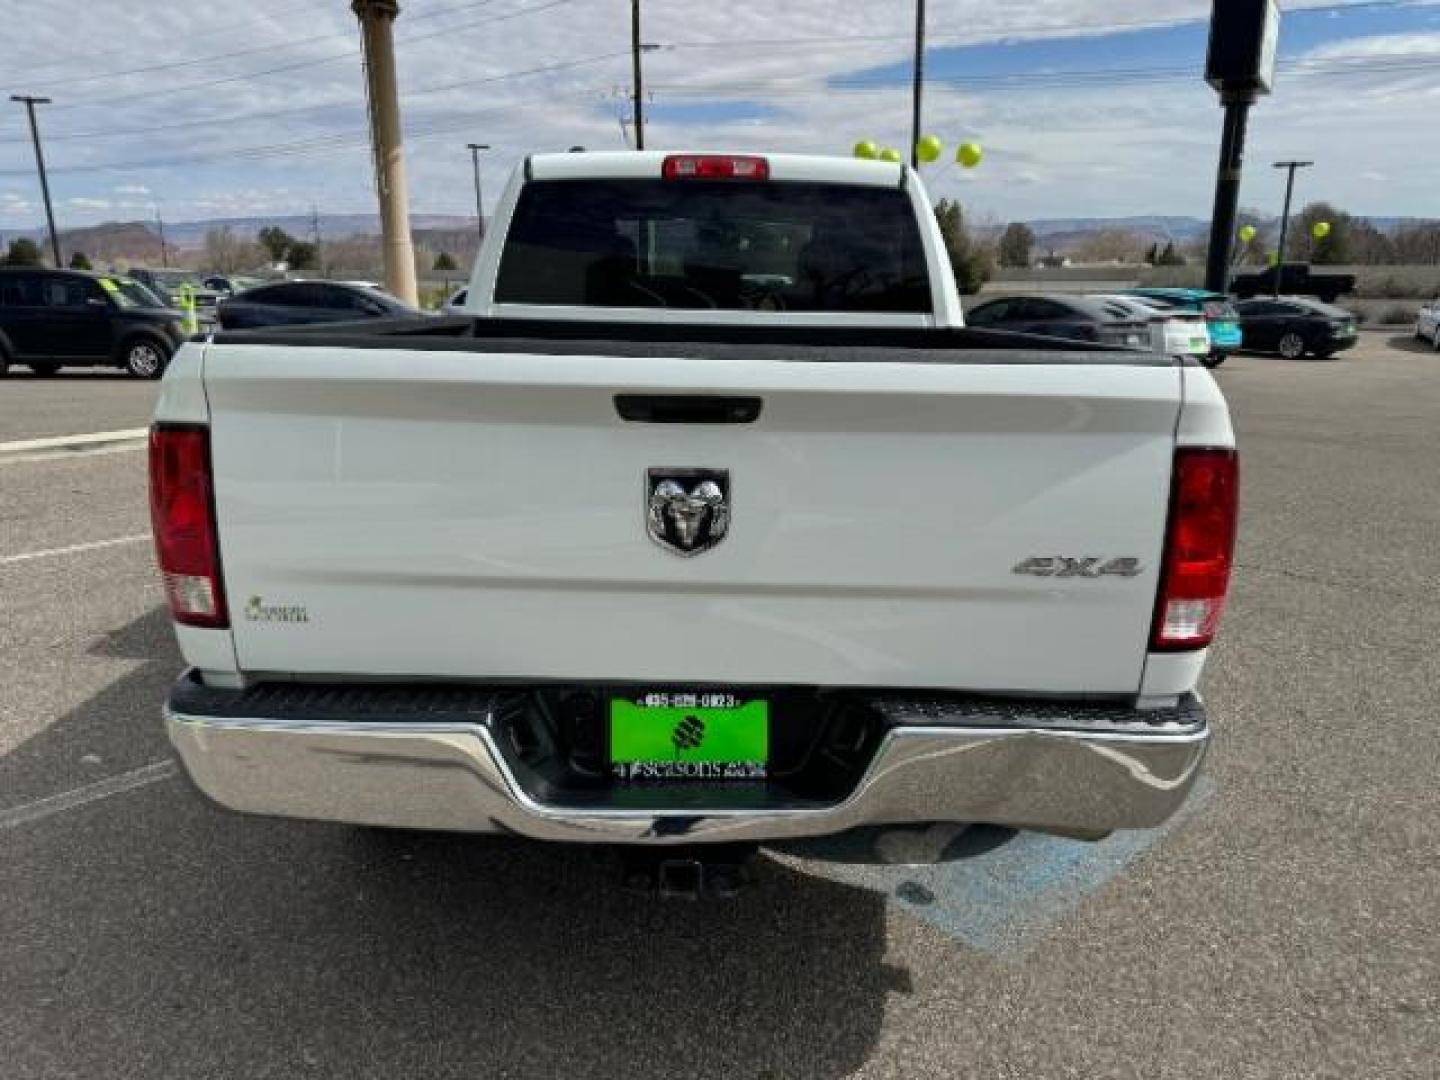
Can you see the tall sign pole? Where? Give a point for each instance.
(377, 18)
(30, 103)
(1240, 65)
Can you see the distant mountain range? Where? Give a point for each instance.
(1174, 228)
(139, 240)
(1060, 233)
(332, 226)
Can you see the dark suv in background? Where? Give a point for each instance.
(51, 319)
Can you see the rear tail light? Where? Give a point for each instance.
(182, 512)
(1199, 548)
(715, 167)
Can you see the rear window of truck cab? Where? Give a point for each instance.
(726, 244)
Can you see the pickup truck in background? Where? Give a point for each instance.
(1296, 279)
(707, 524)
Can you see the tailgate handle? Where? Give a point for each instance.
(687, 409)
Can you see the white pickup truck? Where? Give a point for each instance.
(709, 521)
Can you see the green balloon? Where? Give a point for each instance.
(1247, 233)
(891, 154)
(867, 150)
(968, 154)
(1320, 230)
(928, 148)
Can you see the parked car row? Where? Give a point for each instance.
(51, 319)
(1191, 322)
(292, 303)
(1427, 323)
(1294, 326)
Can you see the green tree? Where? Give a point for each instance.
(80, 261)
(302, 255)
(1170, 257)
(1253, 252)
(971, 262)
(444, 264)
(23, 252)
(1330, 249)
(276, 242)
(1153, 255)
(1015, 244)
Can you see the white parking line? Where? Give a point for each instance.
(66, 442)
(83, 796)
(72, 549)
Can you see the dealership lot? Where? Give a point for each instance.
(1284, 927)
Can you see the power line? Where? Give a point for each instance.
(1339, 66)
(271, 114)
(206, 32)
(289, 44)
(999, 32)
(110, 99)
(300, 147)
(324, 144)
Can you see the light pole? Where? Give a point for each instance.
(160, 229)
(1290, 166)
(30, 103)
(475, 148)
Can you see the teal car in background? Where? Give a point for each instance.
(1222, 321)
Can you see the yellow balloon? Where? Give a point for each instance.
(968, 154)
(1247, 233)
(866, 149)
(1320, 230)
(890, 154)
(928, 148)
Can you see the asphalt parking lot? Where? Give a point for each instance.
(1284, 927)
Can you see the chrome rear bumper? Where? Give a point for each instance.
(452, 776)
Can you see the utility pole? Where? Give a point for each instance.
(377, 18)
(30, 103)
(1290, 166)
(315, 239)
(638, 87)
(160, 228)
(919, 84)
(475, 148)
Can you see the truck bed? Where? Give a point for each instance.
(824, 344)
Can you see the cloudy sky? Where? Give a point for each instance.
(1084, 107)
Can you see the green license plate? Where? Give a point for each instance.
(705, 735)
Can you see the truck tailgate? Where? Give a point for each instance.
(454, 514)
